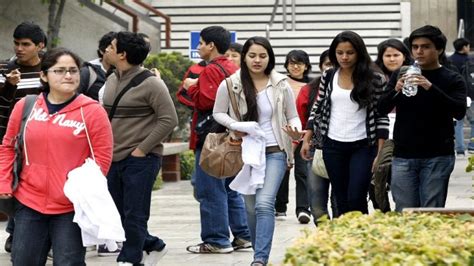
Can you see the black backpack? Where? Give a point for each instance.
(468, 73)
(92, 80)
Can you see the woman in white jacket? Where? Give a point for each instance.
(265, 97)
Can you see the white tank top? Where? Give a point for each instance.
(265, 112)
(347, 121)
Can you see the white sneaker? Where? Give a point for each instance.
(124, 263)
(151, 258)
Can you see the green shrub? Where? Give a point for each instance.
(158, 182)
(390, 239)
(172, 67)
(186, 164)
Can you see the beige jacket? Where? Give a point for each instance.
(281, 98)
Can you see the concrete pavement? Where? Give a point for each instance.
(175, 218)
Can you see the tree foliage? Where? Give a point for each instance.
(172, 67)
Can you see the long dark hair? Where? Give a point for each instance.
(363, 73)
(397, 45)
(249, 89)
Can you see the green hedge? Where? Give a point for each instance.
(390, 239)
(186, 164)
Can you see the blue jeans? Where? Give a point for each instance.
(421, 182)
(318, 194)
(220, 207)
(349, 166)
(130, 183)
(261, 206)
(35, 233)
(302, 201)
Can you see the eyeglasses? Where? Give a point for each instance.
(63, 71)
(300, 64)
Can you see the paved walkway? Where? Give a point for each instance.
(175, 218)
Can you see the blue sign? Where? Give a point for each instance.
(194, 42)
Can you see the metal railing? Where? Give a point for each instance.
(461, 28)
(284, 17)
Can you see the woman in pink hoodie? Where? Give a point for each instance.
(55, 142)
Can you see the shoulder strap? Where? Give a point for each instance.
(133, 83)
(222, 68)
(29, 103)
(232, 98)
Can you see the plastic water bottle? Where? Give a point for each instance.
(410, 89)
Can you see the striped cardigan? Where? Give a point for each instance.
(376, 123)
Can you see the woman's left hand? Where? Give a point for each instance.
(293, 132)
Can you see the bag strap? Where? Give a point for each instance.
(226, 74)
(233, 100)
(133, 83)
(87, 134)
(30, 100)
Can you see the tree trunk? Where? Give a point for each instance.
(54, 22)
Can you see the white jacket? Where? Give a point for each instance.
(95, 210)
(282, 101)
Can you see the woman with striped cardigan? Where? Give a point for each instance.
(346, 115)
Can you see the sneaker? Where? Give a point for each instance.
(8, 244)
(470, 151)
(120, 263)
(258, 263)
(281, 216)
(208, 248)
(103, 251)
(303, 218)
(50, 254)
(240, 243)
(459, 153)
(91, 248)
(151, 258)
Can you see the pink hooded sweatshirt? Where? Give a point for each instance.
(54, 144)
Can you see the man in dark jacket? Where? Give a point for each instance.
(459, 59)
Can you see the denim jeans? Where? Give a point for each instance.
(421, 182)
(35, 233)
(302, 201)
(220, 207)
(318, 193)
(130, 183)
(261, 206)
(349, 166)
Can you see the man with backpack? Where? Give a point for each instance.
(93, 73)
(21, 78)
(460, 58)
(142, 115)
(219, 205)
